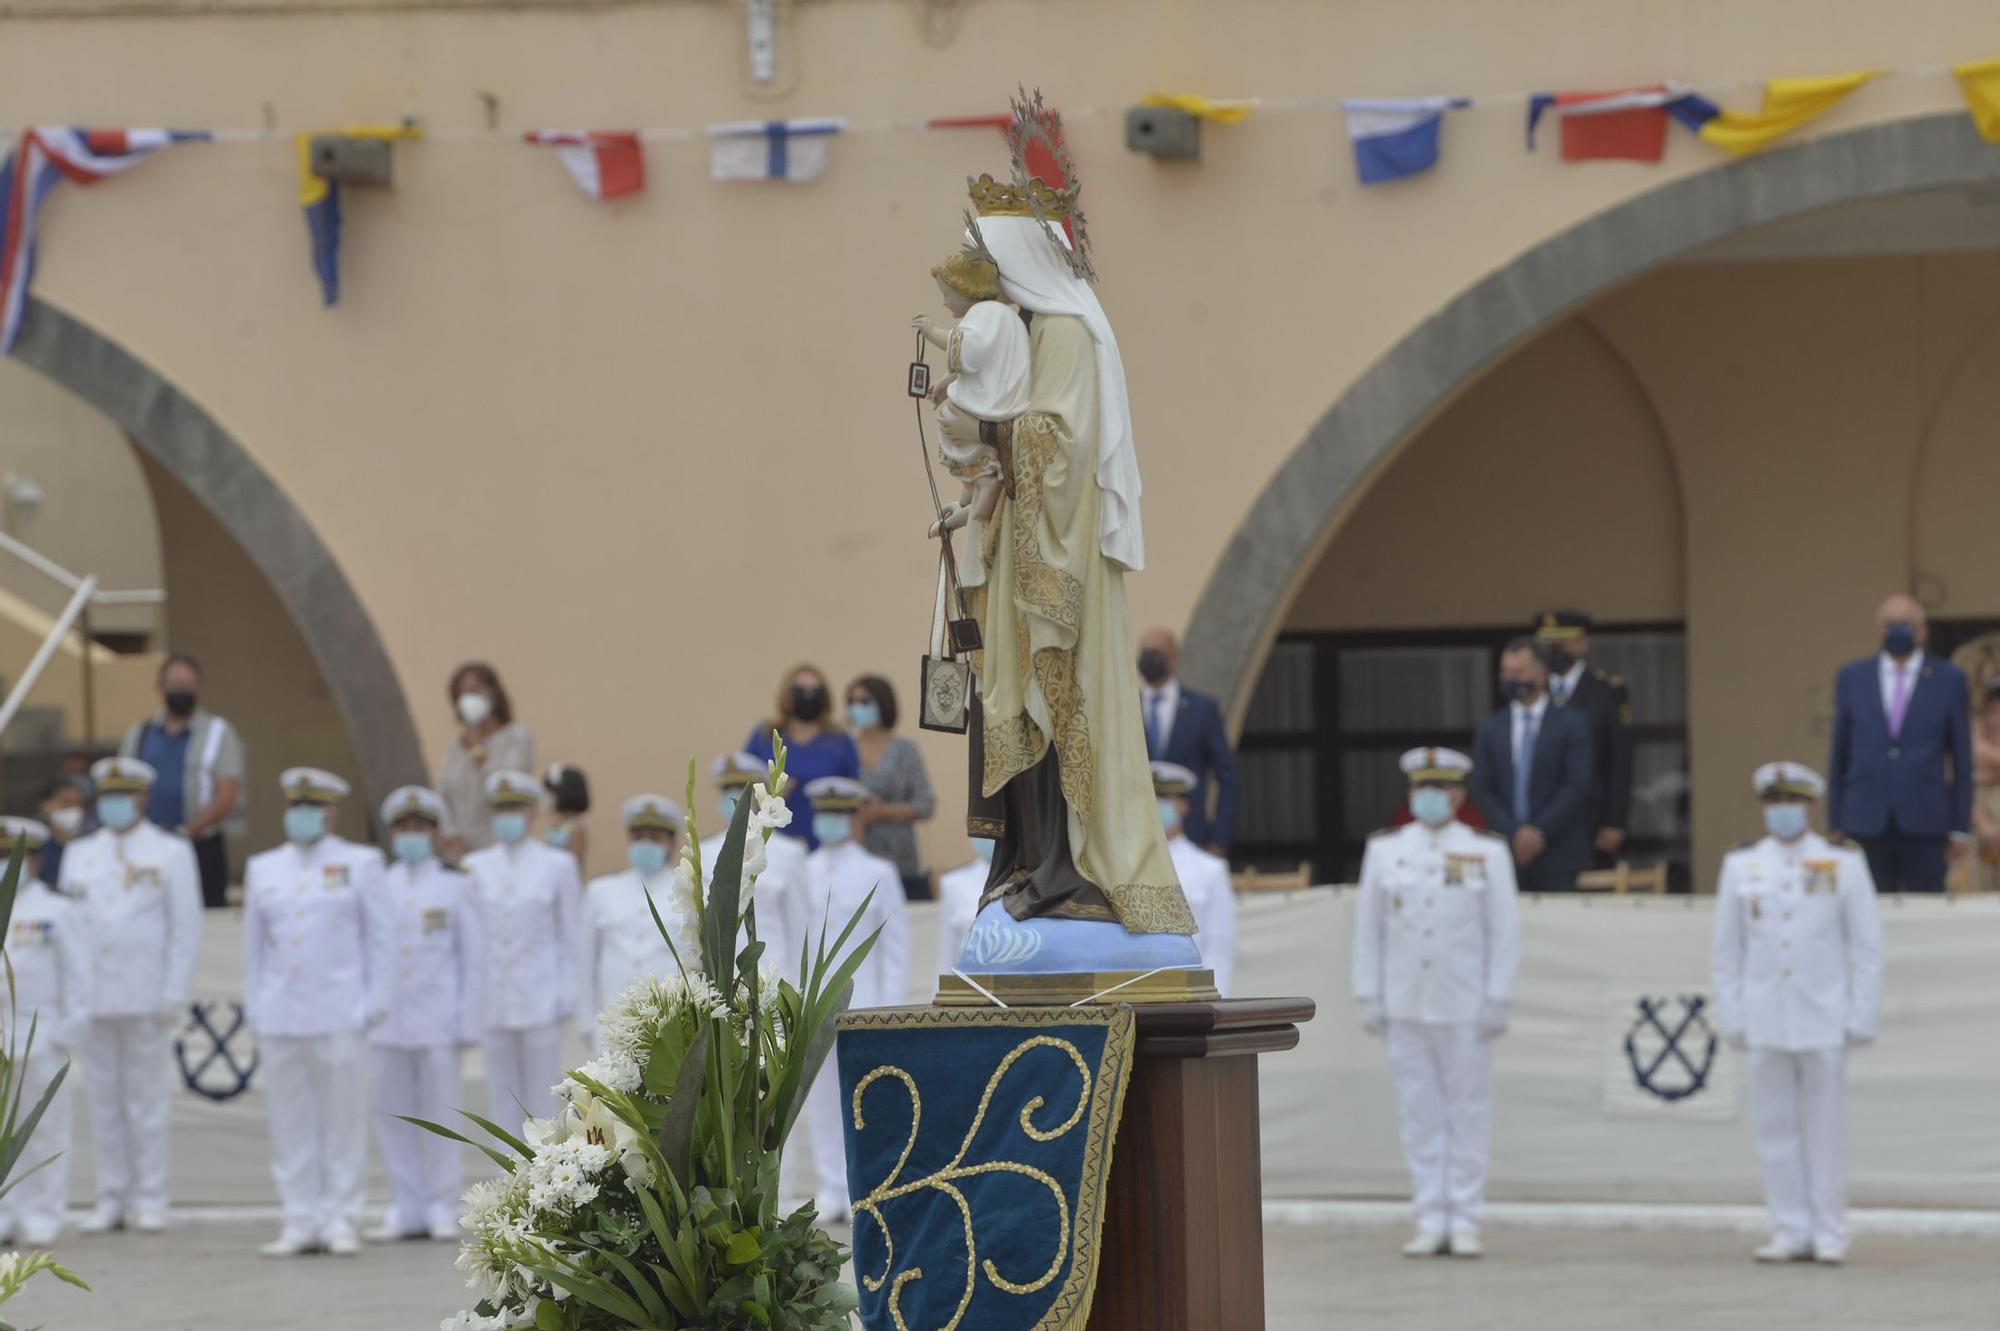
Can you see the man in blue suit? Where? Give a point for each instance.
(1532, 775)
(1900, 776)
(1185, 727)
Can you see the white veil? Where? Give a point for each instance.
(1036, 277)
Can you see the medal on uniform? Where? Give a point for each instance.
(435, 920)
(333, 876)
(1818, 875)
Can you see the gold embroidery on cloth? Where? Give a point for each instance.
(954, 345)
(1100, 1099)
(1152, 908)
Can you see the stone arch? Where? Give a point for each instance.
(1293, 518)
(190, 445)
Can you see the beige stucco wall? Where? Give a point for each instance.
(645, 455)
(1760, 450)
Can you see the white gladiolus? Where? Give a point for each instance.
(769, 812)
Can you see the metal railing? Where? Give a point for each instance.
(84, 594)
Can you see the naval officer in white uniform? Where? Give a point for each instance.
(138, 892)
(959, 891)
(1798, 979)
(840, 875)
(621, 942)
(49, 962)
(415, 1051)
(1436, 948)
(528, 898)
(315, 978)
(1204, 876)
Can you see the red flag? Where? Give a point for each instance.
(1629, 125)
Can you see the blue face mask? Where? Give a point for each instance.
(647, 858)
(117, 812)
(305, 823)
(982, 846)
(728, 805)
(864, 715)
(1430, 806)
(412, 847)
(1787, 822)
(558, 836)
(1899, 638)
(832, 828)
(510, 827)
(1170, 815)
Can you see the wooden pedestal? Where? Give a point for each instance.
(1183, 1246)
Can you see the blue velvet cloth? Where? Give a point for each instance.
(981, 1157)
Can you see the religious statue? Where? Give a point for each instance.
(1035, 422)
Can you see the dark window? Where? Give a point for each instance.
(1333, 712)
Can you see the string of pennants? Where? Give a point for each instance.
(1391, 139)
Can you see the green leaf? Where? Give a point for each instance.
(743, 1248)
(799, 1077)
(656, 1307)
(505, 1162)
(725, 898)
(595, 1292)
(17, 1139)
(501, 1133)
(548, 1316)
(677, 1133)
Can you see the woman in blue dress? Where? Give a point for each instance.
(815, 745)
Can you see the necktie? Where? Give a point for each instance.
(1153, 726)
(1899, 701)
(1560, 688)
(1524, 766)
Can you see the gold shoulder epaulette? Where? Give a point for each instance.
(1489, 833)
(1741, 845)
(1844, 842)
(1383, 831)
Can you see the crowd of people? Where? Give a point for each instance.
(1796, 965)
(366, 976)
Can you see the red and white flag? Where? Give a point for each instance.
(605, 164)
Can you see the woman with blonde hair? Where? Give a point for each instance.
(814, 742)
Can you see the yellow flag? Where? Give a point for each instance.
(1199, 107)
(1979, 80)
(1788, 104)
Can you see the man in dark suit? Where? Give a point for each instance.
(1900, 777)
(1185, 727)
(1531, 774)
(1607, 704)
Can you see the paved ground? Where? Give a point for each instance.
(1338, 1278)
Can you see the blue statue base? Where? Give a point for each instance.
(1047, 961)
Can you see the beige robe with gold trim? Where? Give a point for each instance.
(1057, 664)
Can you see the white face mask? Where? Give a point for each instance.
(66, 821)
(474, 708)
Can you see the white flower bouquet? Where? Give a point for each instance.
(650, 1199)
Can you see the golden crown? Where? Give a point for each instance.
(1029, 198)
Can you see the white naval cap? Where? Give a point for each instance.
(1436, 767)
(656, 811)
(113, 775)
(733, 771)
(311, 785)
(506, 788)
(1783, 778)
(22, 831)
(413, 802)
(1173, 779)
(837, 794)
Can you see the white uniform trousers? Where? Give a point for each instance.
(829, 1145)
(426, 1171)
(38, 1201)
(522, 1069)
(127, 1066)
(1444, 1085)
(315, 1087)
(1798, 1114)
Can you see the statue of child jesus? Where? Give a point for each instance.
(985, 384)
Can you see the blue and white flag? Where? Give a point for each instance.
(770, 149)
(1395, 137)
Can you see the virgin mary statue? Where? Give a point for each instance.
(1064, 783)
